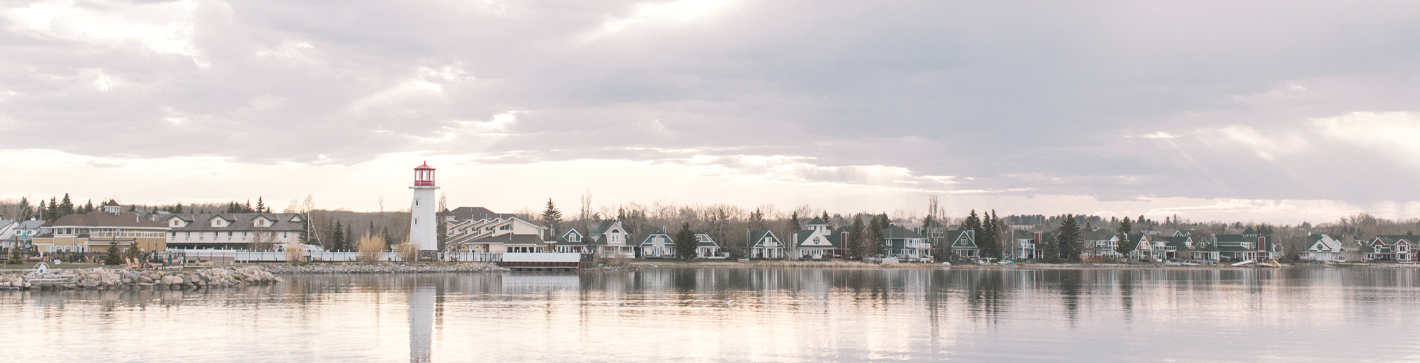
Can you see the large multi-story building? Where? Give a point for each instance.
(96, 231)
(242, 231)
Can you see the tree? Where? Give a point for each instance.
(66, 206)
(337, 238)
(552, 218)
(756, 220)
(25, 211)
(349, 239)
(794, 224)
(987, 241)
(1050, 251)
(868, 244)
(685, 242)
(15, 253)
(1070, 237)
(855, 235)
(826, 218)
(261, 205)
(1122, 233)
(88, 207)
(112, 257)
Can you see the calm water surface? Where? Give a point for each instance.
(740, 314)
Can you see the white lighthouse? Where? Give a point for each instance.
(423, 224)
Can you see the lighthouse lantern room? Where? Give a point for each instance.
(423, 224)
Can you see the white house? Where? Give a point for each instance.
(654, 243)
(248, 231)
(497, 234)
(1324, 248)
(764, 245)
(612, 240)
(706, 247)
(815, 242)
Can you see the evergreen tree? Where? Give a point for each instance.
(42, 212)
(1050, 251)
(261, 206)
(794, 224)
(685, 242)
(855, 234)
(15, 254)
(826, 218)
(52, 213)
(986, 240)
(112, 257)
(66, 206)
(88, 207)
(1070, 237)
(1122, 233)
(553, 218)
(349, 242)
(337, 238)
(756, 220)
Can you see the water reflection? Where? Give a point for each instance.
(737, 314)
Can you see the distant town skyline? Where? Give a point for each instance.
(1277, 112)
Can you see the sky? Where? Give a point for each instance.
(1261, 111)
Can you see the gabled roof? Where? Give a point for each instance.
(802, 236)
(239, 222)
(476, 213)
(1100, 235)
(563, 240)
(1177, 242)
(896, 232)
(647, 233)
(606, 225)
(110, 203)
(1249, 230)
(962, 238)
(704, 240)
(755, 237)
(31, 224)
(1224, 238)
(817, 221)
(102, 219)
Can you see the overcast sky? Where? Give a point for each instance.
(1255, 111)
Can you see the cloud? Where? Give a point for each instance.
(164, 28)
(1264, 146)
(647, 15)
(1392, 134)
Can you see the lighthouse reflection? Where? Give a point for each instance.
(421, 322)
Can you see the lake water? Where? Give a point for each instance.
(740, 314)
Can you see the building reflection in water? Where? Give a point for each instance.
(421, 323)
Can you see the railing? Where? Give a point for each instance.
(244, 256)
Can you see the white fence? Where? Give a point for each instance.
(243, 256)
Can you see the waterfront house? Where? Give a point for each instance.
(1102, 243)
(962, 243)
(1246, 246)
(763, 244)
(905, 244)
(654, 243)
(1324, 248)
(7, 233)
(1144, 248)
(816, 242)
(1024, 244)
(497, 233)
(612, 240)
(1180, 247)
(25, 231)
(245, 231)
(706, 247)
(95, 231)
(573, 241)
(1392, 248)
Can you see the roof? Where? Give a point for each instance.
(103, 219)
(239, 222)
(110, 203)
(467, 213)
(817, 220)
(803, 235)
(424, 167)
(704, 240)
(510, 238)
(563, 241)
(605, 225)
(31, 224)
(756, 236)
(1233, 238)
(1177, 242)
(1249, 230)
(899, 232)
(963, 238)
(647, 233)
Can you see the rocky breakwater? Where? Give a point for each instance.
(385, 269)
(104, 278)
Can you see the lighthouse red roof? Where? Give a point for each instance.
(424, 167)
